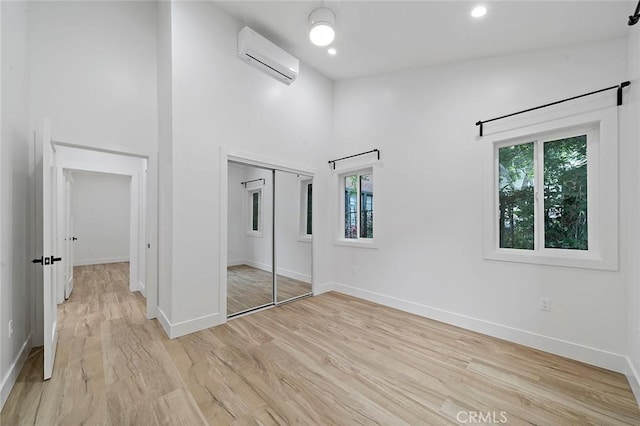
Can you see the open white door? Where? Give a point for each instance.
(70, 239)
(48, 260)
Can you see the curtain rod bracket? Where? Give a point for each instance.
(633, 19)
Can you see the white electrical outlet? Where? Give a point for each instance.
(545, 304)
(10, 329)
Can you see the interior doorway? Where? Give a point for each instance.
(97, 223)
(73, 163)
(269, 237)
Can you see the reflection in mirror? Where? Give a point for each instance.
(293, 233)
(249, 247)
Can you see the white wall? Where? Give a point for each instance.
(630, 158)
(293, 255)
(258, 248)
(243, 248)
(219, 101)
(15, 288)
(92, 70)
(428, 222)
(237, 227)
(101, 218)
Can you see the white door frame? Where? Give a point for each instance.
(68, 233)
(86, 159)
(264, 162)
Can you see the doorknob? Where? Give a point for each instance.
(55, 259)
(37, 260)
(73, 238)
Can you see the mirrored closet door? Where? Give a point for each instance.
(293, 231)
(249, 239)
(269, 223)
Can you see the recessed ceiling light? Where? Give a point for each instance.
(479, 11)
(332, 51)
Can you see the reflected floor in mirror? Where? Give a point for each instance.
(249, 287)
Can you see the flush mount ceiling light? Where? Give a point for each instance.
(322, 21)
(479, 11)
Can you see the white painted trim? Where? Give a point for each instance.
(359, 242)
(142, 288)
(10, 377)
(634, 380)
(223, 244)
(128, 164)
(190, 326)
(235, 262)
(586, 354)
(268, 163)
(603, 184)
(164, 322)
(337, 203)
(101, 261)
(281, 271)
(324, 288)
(294, 275)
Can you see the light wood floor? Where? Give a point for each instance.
(249, 287)
(330, 359)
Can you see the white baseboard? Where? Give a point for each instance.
(183, 328)
(586, 354)
(634, 380)
(259, 265)
(142, 289)
(9, 379)
(323, 288)
(100, 261)
(236, 262)
(294, 275)
(281, 271)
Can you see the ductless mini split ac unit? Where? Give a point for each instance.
(266, 56)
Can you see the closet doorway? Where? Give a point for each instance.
(269, 235)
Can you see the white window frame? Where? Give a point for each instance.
(304, 182)
(249, 203)
(602, 191)
(340, 239)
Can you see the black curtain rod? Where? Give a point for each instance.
(264, 182)
(619, 87)
(354, 155)
(633, 19)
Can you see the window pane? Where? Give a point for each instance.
(366, 206)
(565, 193)
(309, 208)
(516, 196)
(351, 206)
(255, 210)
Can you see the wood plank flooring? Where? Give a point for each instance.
(330, 359)
(249, 287)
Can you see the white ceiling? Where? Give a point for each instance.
(381, 36)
